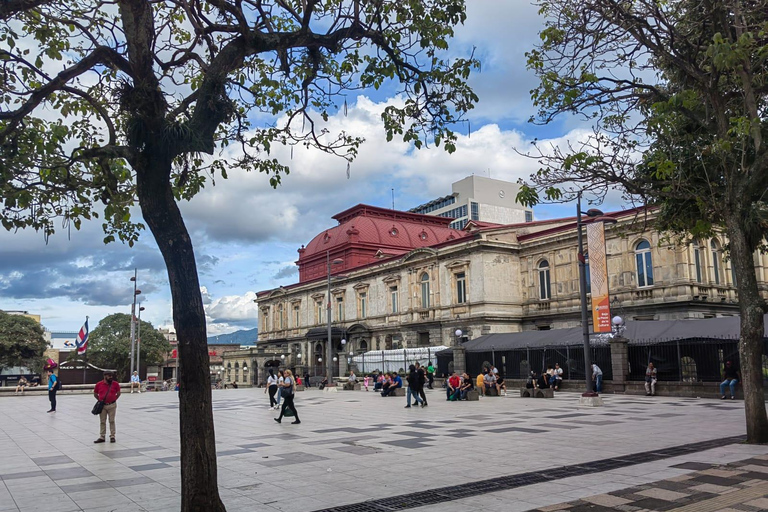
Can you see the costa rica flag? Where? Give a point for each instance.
(82, 338)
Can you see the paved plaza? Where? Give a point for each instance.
(355, 451)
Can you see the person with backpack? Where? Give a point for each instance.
(53, 387)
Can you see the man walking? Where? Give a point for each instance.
(107, 391)
(430, 374)
(413, 379)
(53, 387)
(420, 383)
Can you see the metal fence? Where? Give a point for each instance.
(690, 360)
(393, 360)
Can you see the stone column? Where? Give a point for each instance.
(459, 360)
(619, 362)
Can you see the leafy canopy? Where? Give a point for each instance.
(91, 91)
(22, 342)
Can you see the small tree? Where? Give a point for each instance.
(109, 344)
(677, 95)
(107, 101)
(22, 342)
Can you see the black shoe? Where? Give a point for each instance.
(407, 407)
(112, 440)
(279, 420)
(295, 422)
(54, 410)
(99, 440)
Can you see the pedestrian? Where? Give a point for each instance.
(730, 378)
(307, 382)
(280, 379)
(365, 382)
(650, 380)
(107, 391)
(272, 388)
(597, 377)
(135, 381)
(53, 387)
(421, 383)
(430, 374)
(287, 389)
(412, 378)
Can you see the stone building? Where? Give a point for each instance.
(402, 280)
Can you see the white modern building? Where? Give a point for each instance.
(480, 199)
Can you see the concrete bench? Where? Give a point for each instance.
(473, 396)
(492, 391)
(398, 392)
(537, 393)
(351, 386)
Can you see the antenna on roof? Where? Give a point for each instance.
(393, 198)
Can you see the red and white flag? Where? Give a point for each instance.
(82, 338)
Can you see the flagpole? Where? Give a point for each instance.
(85, 361)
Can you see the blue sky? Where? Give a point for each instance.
(246, 234)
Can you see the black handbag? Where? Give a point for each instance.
(286, 392)
(99, 405)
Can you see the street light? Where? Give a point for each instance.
(458, 334)
(329, 352)
(136, 292)
(138, 342)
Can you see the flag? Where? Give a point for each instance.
(82, 338)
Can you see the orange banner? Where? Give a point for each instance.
(598, 270)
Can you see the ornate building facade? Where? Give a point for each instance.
(403, 280)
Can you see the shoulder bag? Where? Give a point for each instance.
(99, 405)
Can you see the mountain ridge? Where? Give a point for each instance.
(241, 337)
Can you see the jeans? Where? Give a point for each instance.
(599, 384)
(452, 394)
(731, 383)
(415, 394)
(279, 395)
(52, 398)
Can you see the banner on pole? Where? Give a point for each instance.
(598, 271)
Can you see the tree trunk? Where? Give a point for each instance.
(752, 331)
(199, 486)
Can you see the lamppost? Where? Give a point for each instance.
(136, 292)
(138, 343)
(329, 348)
(458, 334)
(592, 213)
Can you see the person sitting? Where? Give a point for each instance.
(299, 382)
(379, 382)
(135, 381)
(730, 379)
(557, 377)
(543, 381)
(530, 383)
(35, 381)
(490, 382)
(452, 389)
(466, 386)
(22, 384)
(395, 382)
(352, 377)
(481, 382)
(234, 385)
(501, 386)
(323, 383)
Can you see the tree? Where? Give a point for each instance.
(107, 101)
(109, 344)
(21, 342)
(676, 92)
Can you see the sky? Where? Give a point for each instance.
(246, 233)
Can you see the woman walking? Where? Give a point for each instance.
(272, 388)
(287, 391)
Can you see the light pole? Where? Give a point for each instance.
(136, 292)
(138, 343)
(458, 334)
(329, 351)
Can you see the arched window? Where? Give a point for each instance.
(716, 260)
(644, 263)
(363, 346)
(697, 260)
(425, 290)
(544, 285)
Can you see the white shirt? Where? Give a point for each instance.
(271, 380)
(559, 372)
(352, 377)
(596, 370)
(279, 381)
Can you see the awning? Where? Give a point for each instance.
(321, 333)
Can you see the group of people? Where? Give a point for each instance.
(489, 380)
(553, 378)
(282, 387)
(24, 383)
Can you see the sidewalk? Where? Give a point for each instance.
(355, 450)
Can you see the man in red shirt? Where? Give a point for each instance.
(107, 391)
(452, 388)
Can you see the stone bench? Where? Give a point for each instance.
(398, 392)
(351, 386)
(473, 396)
(537, 393)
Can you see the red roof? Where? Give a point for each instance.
(365, 230)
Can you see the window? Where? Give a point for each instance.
(279, 316)
(319, 312)
(265, 319)
(644, 263)
(716, 258)
(393, 298)
(425, 290)
(461, 288)
(528, 216)
(697, 260)
(475, 210)
(363, 304)
(340, 309)
(296, 317)
(544, 285)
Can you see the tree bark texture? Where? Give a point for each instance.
(199, 485)
(752, 332)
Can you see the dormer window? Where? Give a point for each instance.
(326, 238)
(393, 231)
(423, 235)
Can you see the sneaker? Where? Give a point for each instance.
(733, 397)
(99, 440)
(278, 420)
(407, 407)
(721, 398)
(424, 404)
(295, 422)
(131, 391)
(112, 440)
(139, 391)
(53, 410)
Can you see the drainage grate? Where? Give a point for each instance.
(457, 492)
